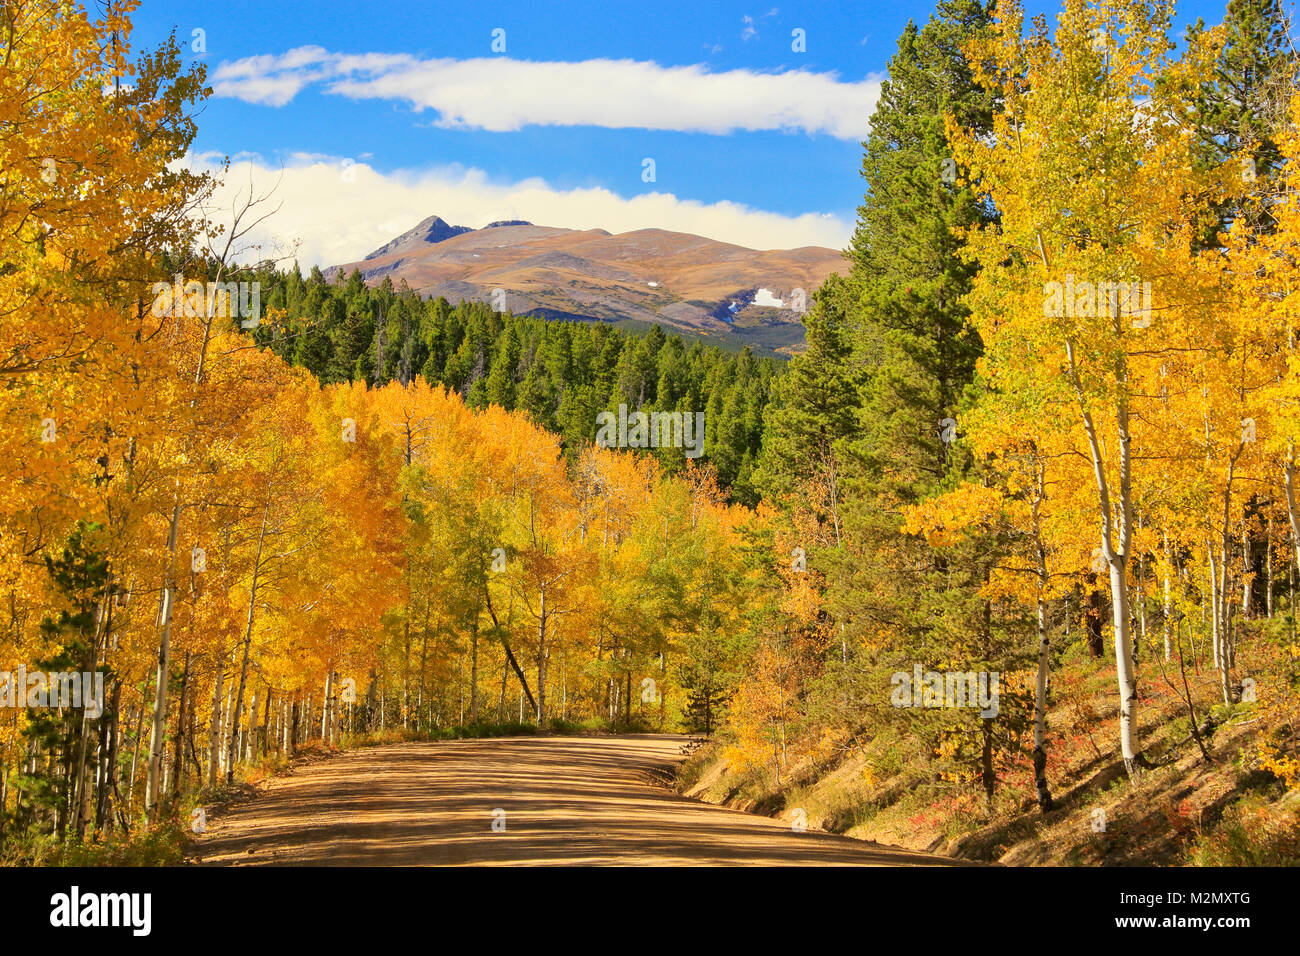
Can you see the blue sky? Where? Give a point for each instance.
(367, 117)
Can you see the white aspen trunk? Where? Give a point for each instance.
(158, 732)
(1140, 589)
(1222, 657)
(1044, 665)
(1169, 607)
(1215, 616)
(406, 679)
(214, 730)
(226, 702)
(1245, 570)
(541, 662)
(1268, 565)
(1124, 665)
(250, 752)
(233, 753)
(325, 706)
(406, 628)
(1223, 604)
(135, 755)
(473, 672)
(336, 708)
(1114, 548)
(1288, 474)
(158, 729)
(1225, 608)
(80, 791)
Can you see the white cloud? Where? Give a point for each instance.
(751, 25)
(501, 94)
(337, 211)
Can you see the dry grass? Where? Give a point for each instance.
(1184, 810)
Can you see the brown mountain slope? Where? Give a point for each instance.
(688, 283)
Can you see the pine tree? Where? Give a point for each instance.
(869, 413)
(814, 403)
(1243, 107)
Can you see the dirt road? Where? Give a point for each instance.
(554, 800)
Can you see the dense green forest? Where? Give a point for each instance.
(563, 373)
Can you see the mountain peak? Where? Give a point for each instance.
(433, 229)
(689, 283)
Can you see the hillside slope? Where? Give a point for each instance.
(650, 276)
(1185, 810)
